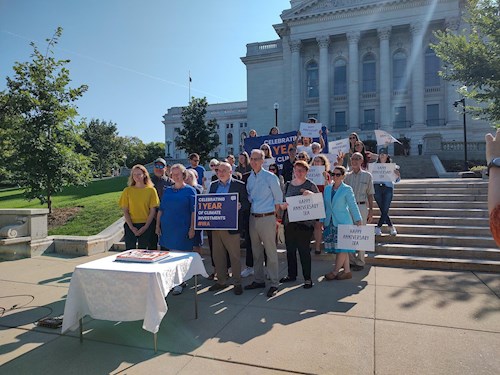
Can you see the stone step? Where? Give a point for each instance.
(433, 190)
(439, 230)
(439, 204)
(441, 197)
(427, 220)
(434, 212)
(434, 263)
(438, 251)
(439, 240)
(438, 182)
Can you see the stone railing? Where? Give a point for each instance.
(459, 146)
(264, 47)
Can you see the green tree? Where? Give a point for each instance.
(103, 146)
(473, 58)
(154, 150)
(197, 134)
(46, 133)
(133, 150)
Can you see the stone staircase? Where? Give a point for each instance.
(442, 224)
(415, 166)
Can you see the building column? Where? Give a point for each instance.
(384, 35)
(452, 114)
(324, 97)
(417, 78)
(353, 80)
(295, 84)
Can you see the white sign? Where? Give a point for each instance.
(268, 162)
(336, 147)
(207, 175)
(382, 172)
(332, 159)
(352, 237)
(384, 138)
(315, 174)
(305, 207)
(310, 129)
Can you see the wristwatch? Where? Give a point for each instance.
(495, 163)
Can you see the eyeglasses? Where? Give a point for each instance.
(301, 157)
(159, 166)
(256, 159)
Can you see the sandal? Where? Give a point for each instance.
(308, 284)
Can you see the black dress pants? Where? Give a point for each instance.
(298, 238)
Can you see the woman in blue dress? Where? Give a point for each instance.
(175, 220)
(340, 208)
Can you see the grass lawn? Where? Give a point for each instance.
(98, 202)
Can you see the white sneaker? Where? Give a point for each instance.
(177, 290)
(393, 231)
(378, 231)
(247, 272)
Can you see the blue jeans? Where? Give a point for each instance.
(383, 197)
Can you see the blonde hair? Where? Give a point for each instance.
(146, 179)
(179, 167)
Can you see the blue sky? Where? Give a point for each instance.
(135, 55)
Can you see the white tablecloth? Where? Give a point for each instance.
(126, 291)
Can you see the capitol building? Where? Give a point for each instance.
(357, 66)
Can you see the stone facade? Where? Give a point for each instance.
(358, 65)
(232, 128)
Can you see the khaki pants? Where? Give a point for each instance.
(263, 236)
(223, 242)
(358, 258)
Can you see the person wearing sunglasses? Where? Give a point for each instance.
(273, 168)
(194, 160)
(160, 181)
(340, 208)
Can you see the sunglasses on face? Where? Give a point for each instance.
(352, 137)
(159, 166)
(272, 169)
(335, 174)
(212, 165)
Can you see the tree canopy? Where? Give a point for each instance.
(197, 134)
(40, 113)
(472, 57)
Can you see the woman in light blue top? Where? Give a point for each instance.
(340, 208)
(383, 196)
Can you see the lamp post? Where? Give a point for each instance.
(455, 104)
(276, 107)
(169, 142)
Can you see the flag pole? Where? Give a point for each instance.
(189, 85)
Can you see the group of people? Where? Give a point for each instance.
(160, 211)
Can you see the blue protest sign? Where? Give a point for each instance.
(216, 211)
(279, 145)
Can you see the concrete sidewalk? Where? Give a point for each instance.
(384, 321)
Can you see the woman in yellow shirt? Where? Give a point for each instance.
(139, 202)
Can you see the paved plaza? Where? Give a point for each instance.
(383, 321)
